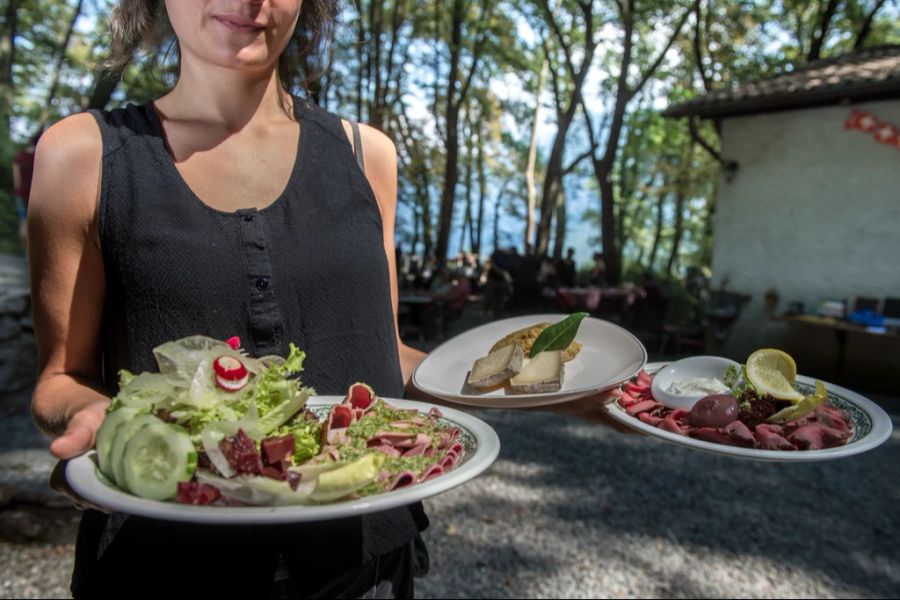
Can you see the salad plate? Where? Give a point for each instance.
(870, 427)
(481, 447)
(609, 355)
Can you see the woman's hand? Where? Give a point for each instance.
(81, 431)
(590, 408)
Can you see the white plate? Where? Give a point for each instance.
(481, 447)
(871, 428)
(609, 356)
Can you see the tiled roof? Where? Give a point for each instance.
(867, 74)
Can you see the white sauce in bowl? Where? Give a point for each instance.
(697, 386)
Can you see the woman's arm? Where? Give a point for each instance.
(67, 282)
(380, 156)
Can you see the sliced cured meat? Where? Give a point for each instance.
(640, 407)
(402, 479)
(192, 492)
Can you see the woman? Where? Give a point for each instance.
(226, 207)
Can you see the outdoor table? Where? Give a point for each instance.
(841, 330)
(587, 299)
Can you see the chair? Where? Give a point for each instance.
(866, 303)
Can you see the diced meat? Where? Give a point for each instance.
(273, 473)
(192, 492)
(769, 438)
(293, 479)
(276, 449)
(241, 453)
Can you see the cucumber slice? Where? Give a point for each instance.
(107, 433)
(120, 441)
(156, 459)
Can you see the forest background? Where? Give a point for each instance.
(532, 124)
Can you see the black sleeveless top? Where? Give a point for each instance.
(309, 269)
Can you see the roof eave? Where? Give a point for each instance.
(885, 90)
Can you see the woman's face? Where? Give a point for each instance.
(235, 34)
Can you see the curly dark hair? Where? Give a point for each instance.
(137, 24)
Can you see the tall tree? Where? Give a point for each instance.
(624, 93)
(568, 80)
(457, 89)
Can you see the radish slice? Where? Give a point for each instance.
(231, 374)
(234, 342)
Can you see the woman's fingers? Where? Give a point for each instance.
(79, 435)
(78, 439)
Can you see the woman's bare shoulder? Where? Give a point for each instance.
(380, 155)
(67, 166)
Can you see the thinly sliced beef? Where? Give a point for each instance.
(769, 438)
(421, 439)
(817, 436)
(740, 434)
(834, 418)
(711, 434)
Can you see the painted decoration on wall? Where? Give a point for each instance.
(882, 131)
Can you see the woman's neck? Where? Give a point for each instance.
(225, 96)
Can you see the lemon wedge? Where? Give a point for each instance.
(773, 372)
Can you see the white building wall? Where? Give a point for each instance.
(813, 211)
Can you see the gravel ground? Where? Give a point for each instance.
(574, 510)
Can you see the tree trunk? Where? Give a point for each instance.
(482, 191)
(7, 57)
(57, 71)
(453, 102)
(603, 168)
(657, 236)
(560, 239)
(682, 188)
(815, 49)
(532, 157)
(866, 28)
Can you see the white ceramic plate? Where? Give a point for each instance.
(871, 428)
(481, 447)
(609, 356)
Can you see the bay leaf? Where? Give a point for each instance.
(558, 336)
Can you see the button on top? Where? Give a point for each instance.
(262, 283)
(249, 218)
